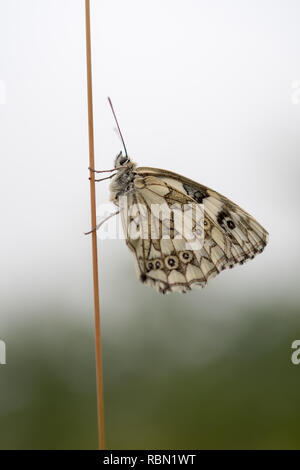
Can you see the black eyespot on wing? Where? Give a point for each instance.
(171, 262)
(154, 264)
(198, 196)
(186, 256)
(223, 218)
(195, 193)
(150, 266)
(220, 219)
(206, 224)
(143, 277)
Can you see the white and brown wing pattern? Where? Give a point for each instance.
(165, 258)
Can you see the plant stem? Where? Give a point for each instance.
(99, 380)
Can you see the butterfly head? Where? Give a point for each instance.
(123, 161)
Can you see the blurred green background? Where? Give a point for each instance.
(172, 380)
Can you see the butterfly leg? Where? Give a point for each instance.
(102, 222)
(107, 171)
(101, 171)
(102, 179)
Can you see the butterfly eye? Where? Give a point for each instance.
(171, 262)
(158, 264)
(185, 256)
(123, 160)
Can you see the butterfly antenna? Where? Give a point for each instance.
(113, 111)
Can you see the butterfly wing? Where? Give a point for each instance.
(227, 236)
(236, 224)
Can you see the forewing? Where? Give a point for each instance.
(235, 231)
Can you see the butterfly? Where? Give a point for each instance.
(169, 257)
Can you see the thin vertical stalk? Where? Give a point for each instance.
(99, 380)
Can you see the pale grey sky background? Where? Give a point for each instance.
(203, 88)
